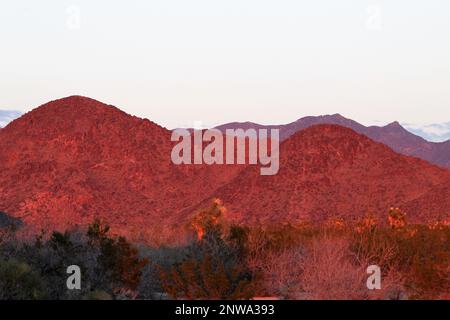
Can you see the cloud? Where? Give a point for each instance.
(436, 132)
(6, 116)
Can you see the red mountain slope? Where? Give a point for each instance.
(76, 159)
(331, 171)
(433, 203)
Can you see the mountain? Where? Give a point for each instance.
(329, 171)
(76, 159)
(392, 135)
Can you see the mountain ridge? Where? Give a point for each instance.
(75, 159)
(387, 177)
(393, 135)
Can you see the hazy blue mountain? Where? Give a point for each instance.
(7, 116)
(437, 132)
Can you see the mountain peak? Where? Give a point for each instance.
(394, 124)
(70, 109)
(334, 138)
(77, 103)
(77, 115)
(336, 118)
(75, 98)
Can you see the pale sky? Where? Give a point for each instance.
(177, 61)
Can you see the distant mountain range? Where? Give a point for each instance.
(76, 159)
(6, 116)
(438, 132)
(392, 135)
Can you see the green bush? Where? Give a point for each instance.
(18, 281)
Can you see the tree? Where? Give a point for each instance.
(214, 266)
(118, 259)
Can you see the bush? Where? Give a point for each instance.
(18, 281)
(108, 264)
(420, 253)
(224, 261)
(213, 267)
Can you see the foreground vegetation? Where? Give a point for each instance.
(224, 261)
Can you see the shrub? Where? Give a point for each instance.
(424, 258)
(18, 281)
(213, 267)
(418, 254)
(117, 259)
